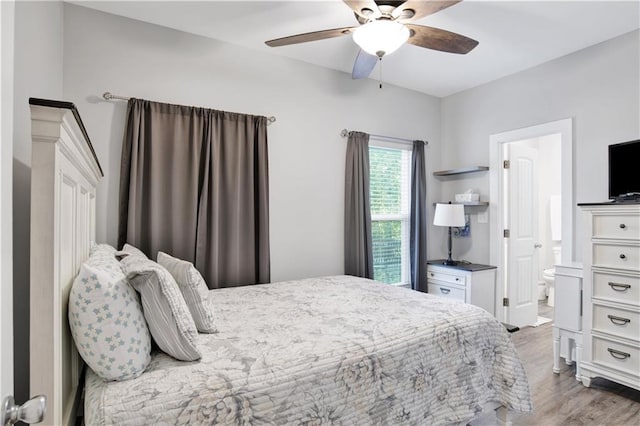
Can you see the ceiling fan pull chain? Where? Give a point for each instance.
(380, 74)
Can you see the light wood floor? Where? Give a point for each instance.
(559, 399)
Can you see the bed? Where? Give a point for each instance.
(331, 350)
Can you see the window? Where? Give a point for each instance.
(390, 189)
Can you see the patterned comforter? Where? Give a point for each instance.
(334, 350)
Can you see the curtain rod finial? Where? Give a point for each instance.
(344, 133)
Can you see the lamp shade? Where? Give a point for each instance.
(449, 215)
(381, 37)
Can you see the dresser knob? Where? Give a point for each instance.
(622, 256)
(622, 226)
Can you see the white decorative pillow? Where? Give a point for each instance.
(194, 290)
(165, 310)
(103, 256)
(96, 249)
(128, 249)
(106, 321)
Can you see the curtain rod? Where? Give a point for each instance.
(344, 133)
(109, 96)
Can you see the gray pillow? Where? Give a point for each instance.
(164, 308)
(129, 250)
(193, 288)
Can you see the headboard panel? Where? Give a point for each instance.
(64, 176)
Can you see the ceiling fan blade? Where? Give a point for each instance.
(312, 36)
(367, 9)
(416, 9)
(363, 65)
(442, 40)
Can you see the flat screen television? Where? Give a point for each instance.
(624, 169)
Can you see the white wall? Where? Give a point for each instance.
(306, 153)
(597, 86)
(38, 73)
(7, 36)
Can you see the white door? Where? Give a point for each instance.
(522, 222)
(6, 159)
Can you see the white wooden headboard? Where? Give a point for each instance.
(64, 175)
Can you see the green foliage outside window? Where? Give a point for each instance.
(385, 175)
(386, 199)
(387, 251)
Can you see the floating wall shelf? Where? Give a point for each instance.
(461, 171)
(469, 204)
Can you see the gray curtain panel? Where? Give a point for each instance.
(358, 246)
(418, 218)
(194, 183)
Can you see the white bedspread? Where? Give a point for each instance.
(334, 350)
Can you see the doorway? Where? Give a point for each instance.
(531, 179)
(532, 216)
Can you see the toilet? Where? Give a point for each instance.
(549, 275)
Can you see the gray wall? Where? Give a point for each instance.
(37, 73)
(306, 153)
(598, 87)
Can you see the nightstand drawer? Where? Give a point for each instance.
(622, 357)
(448, 278)
(616, 256)
(617, 322)
(449, 292)
(617, 288)
(618, 226)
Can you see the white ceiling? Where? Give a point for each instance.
(513, 35)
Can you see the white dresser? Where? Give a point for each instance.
(611, 301)
(468, 282)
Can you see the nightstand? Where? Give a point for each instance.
(468, 282)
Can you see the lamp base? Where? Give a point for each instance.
(450, 262)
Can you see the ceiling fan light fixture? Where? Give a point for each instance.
(381, 37)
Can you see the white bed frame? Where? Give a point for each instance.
(64, 175)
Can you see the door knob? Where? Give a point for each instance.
(30, 412)
(537, 245)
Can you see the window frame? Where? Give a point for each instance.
(404, 218)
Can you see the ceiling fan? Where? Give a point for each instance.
(384, 27)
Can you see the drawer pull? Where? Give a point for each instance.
(445, 290)
(431, 274)
(457, 279)
(622, 256)
(618, 354)
(618, 320)
(619, 287)
(622, 226)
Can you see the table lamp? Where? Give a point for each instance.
(449, 215)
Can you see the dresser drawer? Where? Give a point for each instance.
(617, 226)
(617, 288)
(449, 292)
(448, 278)
(616, 256)
(617, 322)
(619, 356)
